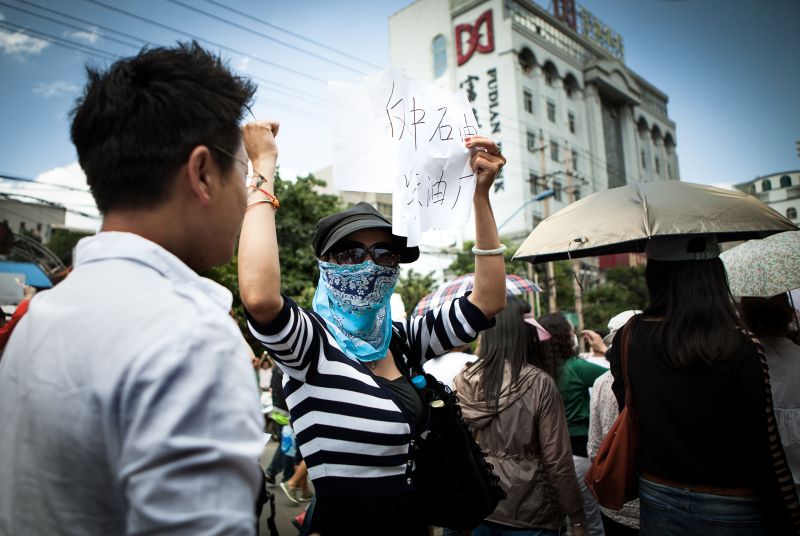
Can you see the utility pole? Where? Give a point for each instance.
(575, 284)
(552, 302)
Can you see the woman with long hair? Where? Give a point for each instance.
(575, 377)
(769, 319)
(510, 401)
(710, 459)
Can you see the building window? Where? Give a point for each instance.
(791, 213)
(669, 171)
(526, 60)
(548, 78)
(658, 166)
(644, 159)
(766, 185)
(551, 111)
(576, 193)
(439, 56)
(557, 190)
(554, 151)
(571, 119)
(575, 160)
(786, 181)
(21, 226)
(533, 179)
(527, 98)
(532, 142)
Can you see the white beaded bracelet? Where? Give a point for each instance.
(495, 251)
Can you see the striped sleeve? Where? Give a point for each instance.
(295, 338)
(438, 331)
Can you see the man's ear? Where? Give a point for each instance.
(199, 168)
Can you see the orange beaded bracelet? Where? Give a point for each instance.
(271, 199)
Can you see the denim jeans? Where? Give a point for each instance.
(666, 511)
(281, 462)
(493, 529)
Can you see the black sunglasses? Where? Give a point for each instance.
(356, 253)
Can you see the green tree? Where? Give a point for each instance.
(62, 243)
(414, 286)
(301, 207)
(624, 288)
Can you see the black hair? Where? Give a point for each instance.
(137, 122)
(698, 312)
(768, 317)
(512, 340)
(561, 345)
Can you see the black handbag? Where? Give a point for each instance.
(457, 486)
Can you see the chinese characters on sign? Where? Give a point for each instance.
(397, 134)
(493, 94)
(593, 29)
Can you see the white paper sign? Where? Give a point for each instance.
(405, 136)
(11, 288)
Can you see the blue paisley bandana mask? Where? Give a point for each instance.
(354, 299)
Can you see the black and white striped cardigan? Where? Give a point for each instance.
(351, 431)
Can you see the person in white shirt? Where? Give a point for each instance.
(127, 400)
(446, 367)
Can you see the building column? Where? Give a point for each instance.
(629, 152)
(593, 116)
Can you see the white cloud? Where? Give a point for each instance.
(21, 44)
(58, 88)
(89, 37)
(48, 186)
(242, 63)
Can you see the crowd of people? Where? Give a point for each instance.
(128, 403)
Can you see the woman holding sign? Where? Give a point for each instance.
(354, 410)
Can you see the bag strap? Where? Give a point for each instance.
(626, 331)
(785, 483)
(408, 363)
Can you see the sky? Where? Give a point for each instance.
(730, 68)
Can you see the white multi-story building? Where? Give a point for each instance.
(781, 191)
(38, 219)
(557, 95)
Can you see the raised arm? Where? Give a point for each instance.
(259, 267)
(489, 291)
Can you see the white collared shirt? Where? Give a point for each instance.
(128, 403)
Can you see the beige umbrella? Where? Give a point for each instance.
(621, 220)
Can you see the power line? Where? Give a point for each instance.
(61, 42)
(213, 43)
(52, 204)
(4, 176)
(288, 90)
(68, 25)
(261, 35)
(293, 34)
(291, 92)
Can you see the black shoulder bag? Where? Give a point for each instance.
(457, 485)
